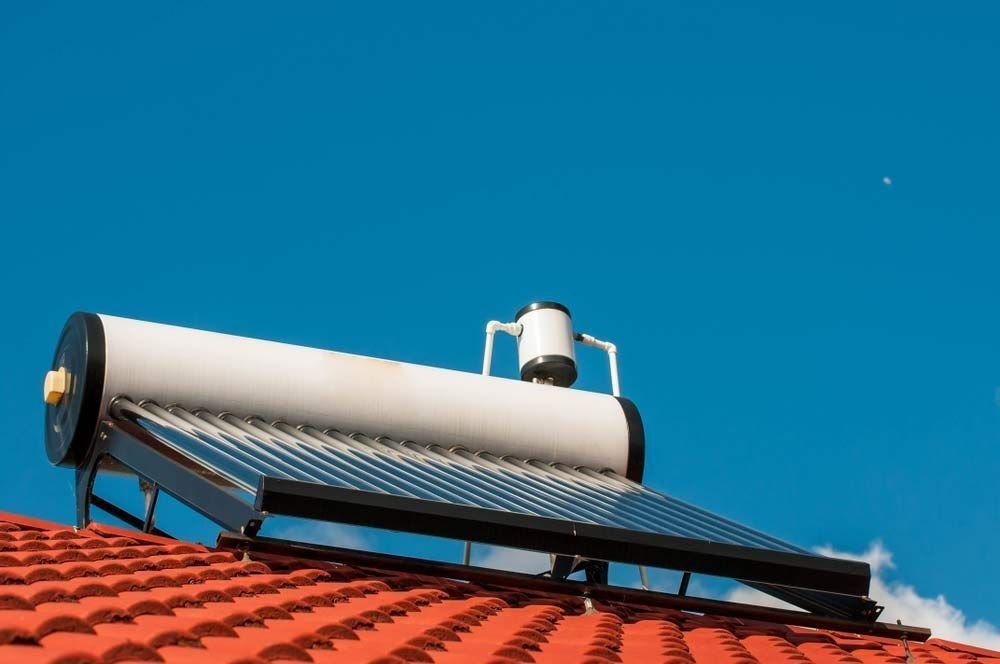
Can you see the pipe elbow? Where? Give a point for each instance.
(513, 329)
(594, 342)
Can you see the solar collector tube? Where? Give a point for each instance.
(297, 459)
(305, 465)
(402, 468)
(226, 445)
(484, 481)
(216, 461)
(388, 474)
(393, 480)
(486, 493)
(107, 357)
(565, 496)
(416, 468)
(512, 492)
(528, 501)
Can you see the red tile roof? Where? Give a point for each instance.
(105, 594)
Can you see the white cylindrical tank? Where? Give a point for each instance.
(545, 347)
(106, 356)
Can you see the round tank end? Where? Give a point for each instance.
(72, 390)
(636, 440)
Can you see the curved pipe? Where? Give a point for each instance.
(612, 352)
(513, 329)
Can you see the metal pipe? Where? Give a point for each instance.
(644, 577)
(683, 588)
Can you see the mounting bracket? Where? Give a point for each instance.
(135, 449)
(261, 548)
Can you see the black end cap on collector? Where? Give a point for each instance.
(561, 369)
(71, 424)
(636, 463)
(543, 304)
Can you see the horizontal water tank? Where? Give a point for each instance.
(103, 357)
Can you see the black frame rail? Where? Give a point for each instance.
(572, 538)
(264, 548)
(829, 587)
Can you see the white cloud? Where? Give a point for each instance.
(901, 601)
(513, 560)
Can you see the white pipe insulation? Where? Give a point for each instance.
(513, 329)
(612, 351)
(106, 356)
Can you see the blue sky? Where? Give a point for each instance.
(814, 351)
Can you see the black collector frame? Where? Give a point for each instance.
(833, 591)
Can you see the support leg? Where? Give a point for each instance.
(84, 487)
(685, 580)
(152, 492)
(643, 577)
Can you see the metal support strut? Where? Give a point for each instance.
(130, 446)
(685, 580)
(152, 492)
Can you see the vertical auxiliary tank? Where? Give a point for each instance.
(545, 346)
